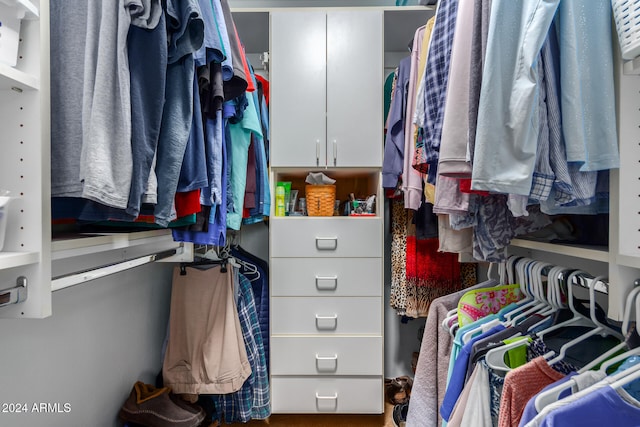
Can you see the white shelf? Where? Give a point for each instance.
(18, 259)
(12, 78)
(593, 253)
(86, 244)
(24, 6)
(628, 261)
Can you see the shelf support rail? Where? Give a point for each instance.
(76, 278)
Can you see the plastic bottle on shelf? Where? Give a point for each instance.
(280, 209)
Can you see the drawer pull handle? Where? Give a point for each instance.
(326, 363)
(326, 282)
(334, 357)
(326, 243)
(327, 403)
(334, 397)
(327, 322)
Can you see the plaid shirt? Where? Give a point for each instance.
(436, 76)
(252, 400)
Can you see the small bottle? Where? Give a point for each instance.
(280, 201)
(302, 205)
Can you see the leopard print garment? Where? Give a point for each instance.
(406, 300)
(468, 274)
(419, 298)
(398, 297)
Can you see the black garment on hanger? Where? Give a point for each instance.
(203, 262)
(426, 222)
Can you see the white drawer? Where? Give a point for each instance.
(310, 395)
(326, 237)
(326, 355)
(348, 315)
(326, 277)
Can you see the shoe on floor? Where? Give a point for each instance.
(398, 390)
(153, 407)
(399, 414)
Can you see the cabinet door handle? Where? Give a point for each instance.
(317, 152)
(331, 282)
(327, 322)
(327, 243)
(335, 152)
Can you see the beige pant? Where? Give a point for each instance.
(206, 352)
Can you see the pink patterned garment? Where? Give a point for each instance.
(482, 302)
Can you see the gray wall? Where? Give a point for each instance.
(103, 336)
(400, 339)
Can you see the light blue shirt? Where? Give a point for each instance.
(507, 132)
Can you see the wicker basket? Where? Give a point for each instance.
(626, 14)
(320, 199)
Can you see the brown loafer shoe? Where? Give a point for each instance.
(152, 407)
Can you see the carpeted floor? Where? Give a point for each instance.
(339, 420)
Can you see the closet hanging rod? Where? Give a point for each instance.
(76, 278)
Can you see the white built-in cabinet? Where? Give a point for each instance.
(326, 305)
(326, 70)
(326, 318)
(326, 67)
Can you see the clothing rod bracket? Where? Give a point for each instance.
(14, 295)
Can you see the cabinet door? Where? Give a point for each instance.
(298, 88)
(354, 88)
